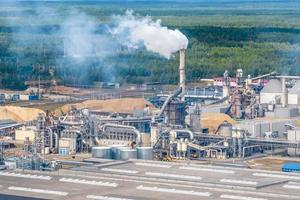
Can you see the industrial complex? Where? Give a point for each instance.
(206, 133)
(195, 141)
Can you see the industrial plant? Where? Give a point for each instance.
(226, 122)
(258, 116)
(231, 137)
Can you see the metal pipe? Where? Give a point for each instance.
(244, 149)
(56, 140)
(138, 134)
(264, 76)
(184, 130)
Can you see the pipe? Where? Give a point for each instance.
(138, 134)
(185, 131)
(168, 100)
(248, 147)
(264, 76)
(182, 72)
(56, 140)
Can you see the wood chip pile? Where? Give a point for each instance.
(19, 114)
(213, 120)
(124, 105)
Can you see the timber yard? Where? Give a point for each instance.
(234, 136)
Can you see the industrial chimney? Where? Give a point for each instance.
(182, 73)
(284, 92)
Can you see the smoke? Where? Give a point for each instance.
(84, 38)
(80, 46)
(136, 31)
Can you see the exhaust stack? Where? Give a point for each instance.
(284, 93)
(182, 73)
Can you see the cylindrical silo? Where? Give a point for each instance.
(114, 151)
(145, 153)
(101, 152)
(127, 154)
(118, 152)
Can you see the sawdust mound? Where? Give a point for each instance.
(213, 120)
(19, 114)
(125, 105)
(64, 90)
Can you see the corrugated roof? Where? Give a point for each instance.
(296, 88)
(274, 86)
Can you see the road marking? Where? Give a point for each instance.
(41, 191)
(174, 191)
(297, 187)
(238, 181)
(276, 176)
(105, 198)
(196, 185)
(119, 170)
(31, 176)
(208, 170)
(177, 176)
(224, 196)
(88, 182)
(153, 165)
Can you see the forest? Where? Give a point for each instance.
(258, 37)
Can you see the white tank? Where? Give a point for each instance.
(145, 153)
(114, 150)
(101, 152)
(118, 152)
(126, 154)
(179, 146)
(183, 146)
(226, 130)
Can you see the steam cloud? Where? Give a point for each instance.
(136, 31)
(83, 38)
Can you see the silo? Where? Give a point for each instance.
(118, 152)
(145, 153)
(226, 130)
(114, 151)
(101, 152)
(126, 154)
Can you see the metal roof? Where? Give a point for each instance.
(273, 86)
(291, 166)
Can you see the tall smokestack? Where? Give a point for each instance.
(284, 92)
(182, 73)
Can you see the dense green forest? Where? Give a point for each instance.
(258, 37)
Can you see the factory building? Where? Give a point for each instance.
(294, 94)
(25, 133)
(271, 93)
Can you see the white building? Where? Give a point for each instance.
(294, 94)
(271, 92)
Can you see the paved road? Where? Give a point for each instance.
(140, 180)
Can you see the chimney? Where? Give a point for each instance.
(284, 92)
(182, 73)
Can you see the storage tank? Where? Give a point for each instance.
(126, 154)
(114, 151)
(118, 152)
(145, 153)
(101, 152)
(226, 131)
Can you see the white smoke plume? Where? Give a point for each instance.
(137, 31)
(83, 39)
